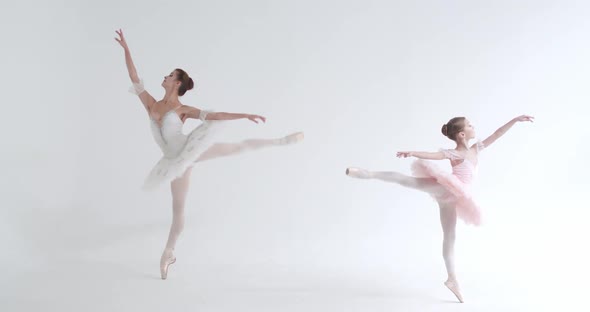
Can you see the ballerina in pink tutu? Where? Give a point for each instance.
(452, 191)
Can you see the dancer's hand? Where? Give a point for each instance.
(404, 154)
(121, 40)
(254, 118)
(524, 118)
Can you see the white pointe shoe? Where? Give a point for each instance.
(291, 138)
(453, 286)
(358, 173)
(167, 259)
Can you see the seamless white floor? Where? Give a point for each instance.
(115, 267)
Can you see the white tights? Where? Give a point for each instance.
(180, 186)
(448, 214)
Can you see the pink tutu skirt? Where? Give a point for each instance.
(458, 192)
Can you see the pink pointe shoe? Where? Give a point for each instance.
(453, 286)
(167, 259)
(357, 173)
(291, 138)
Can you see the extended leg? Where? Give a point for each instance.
(428, 185)
(228, 149)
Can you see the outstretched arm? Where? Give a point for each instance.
(234, 116)
(144, 96)
(422, 155)
(502, 130)
(128, 60)
(193, 112)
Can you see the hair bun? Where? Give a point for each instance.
(190, 84)
(445, 130)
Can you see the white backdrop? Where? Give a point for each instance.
(284, 229)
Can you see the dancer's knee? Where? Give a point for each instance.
(449, 236)
(178, 202)
(178, 224)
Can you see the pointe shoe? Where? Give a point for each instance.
(167, 259)
(291, 138)
(358, 173)
(454, 287)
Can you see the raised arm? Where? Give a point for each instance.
(144, 96)
(502, 130)
(423, 155)
(193, 112)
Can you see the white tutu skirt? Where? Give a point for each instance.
(169, 168)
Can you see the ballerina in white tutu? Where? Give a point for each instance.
(181, 151)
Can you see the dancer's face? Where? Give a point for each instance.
(468, 131)
(170, 81)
